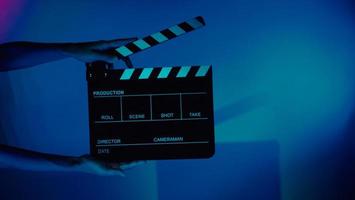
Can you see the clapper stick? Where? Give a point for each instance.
(160, 37)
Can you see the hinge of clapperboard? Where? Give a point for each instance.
(123, 52)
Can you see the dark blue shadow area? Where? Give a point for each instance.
(6, 98)
(239, 107)
(301, 53)
(350, 158)
(17, 184)
(245, 171)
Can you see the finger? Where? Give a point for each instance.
(106, 169)
(113, 165)
(128, 62)
(113, 169)
(112, 44)
(85, 156)
(102, 56)
(125, 166)
(105, 172)
(114, 172)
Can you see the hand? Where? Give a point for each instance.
(21, 55)
(25, 159)
(90, 165)
(103, 50)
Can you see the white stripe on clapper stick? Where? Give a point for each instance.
(145, 73)
(127, 73)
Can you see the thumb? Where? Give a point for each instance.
(112, 44)
(129, 165)
(101, 56)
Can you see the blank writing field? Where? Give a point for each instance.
(136, 108)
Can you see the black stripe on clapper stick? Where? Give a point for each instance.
(137, 72)
(133, 47)
(193, 71)
(174, 71)
(155, 73)
(167, 33)
(186, 27)
(151, 41)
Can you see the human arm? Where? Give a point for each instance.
(21, 55)
(29, 160)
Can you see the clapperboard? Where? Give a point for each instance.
(151, 113)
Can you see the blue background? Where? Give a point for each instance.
(283, 91)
